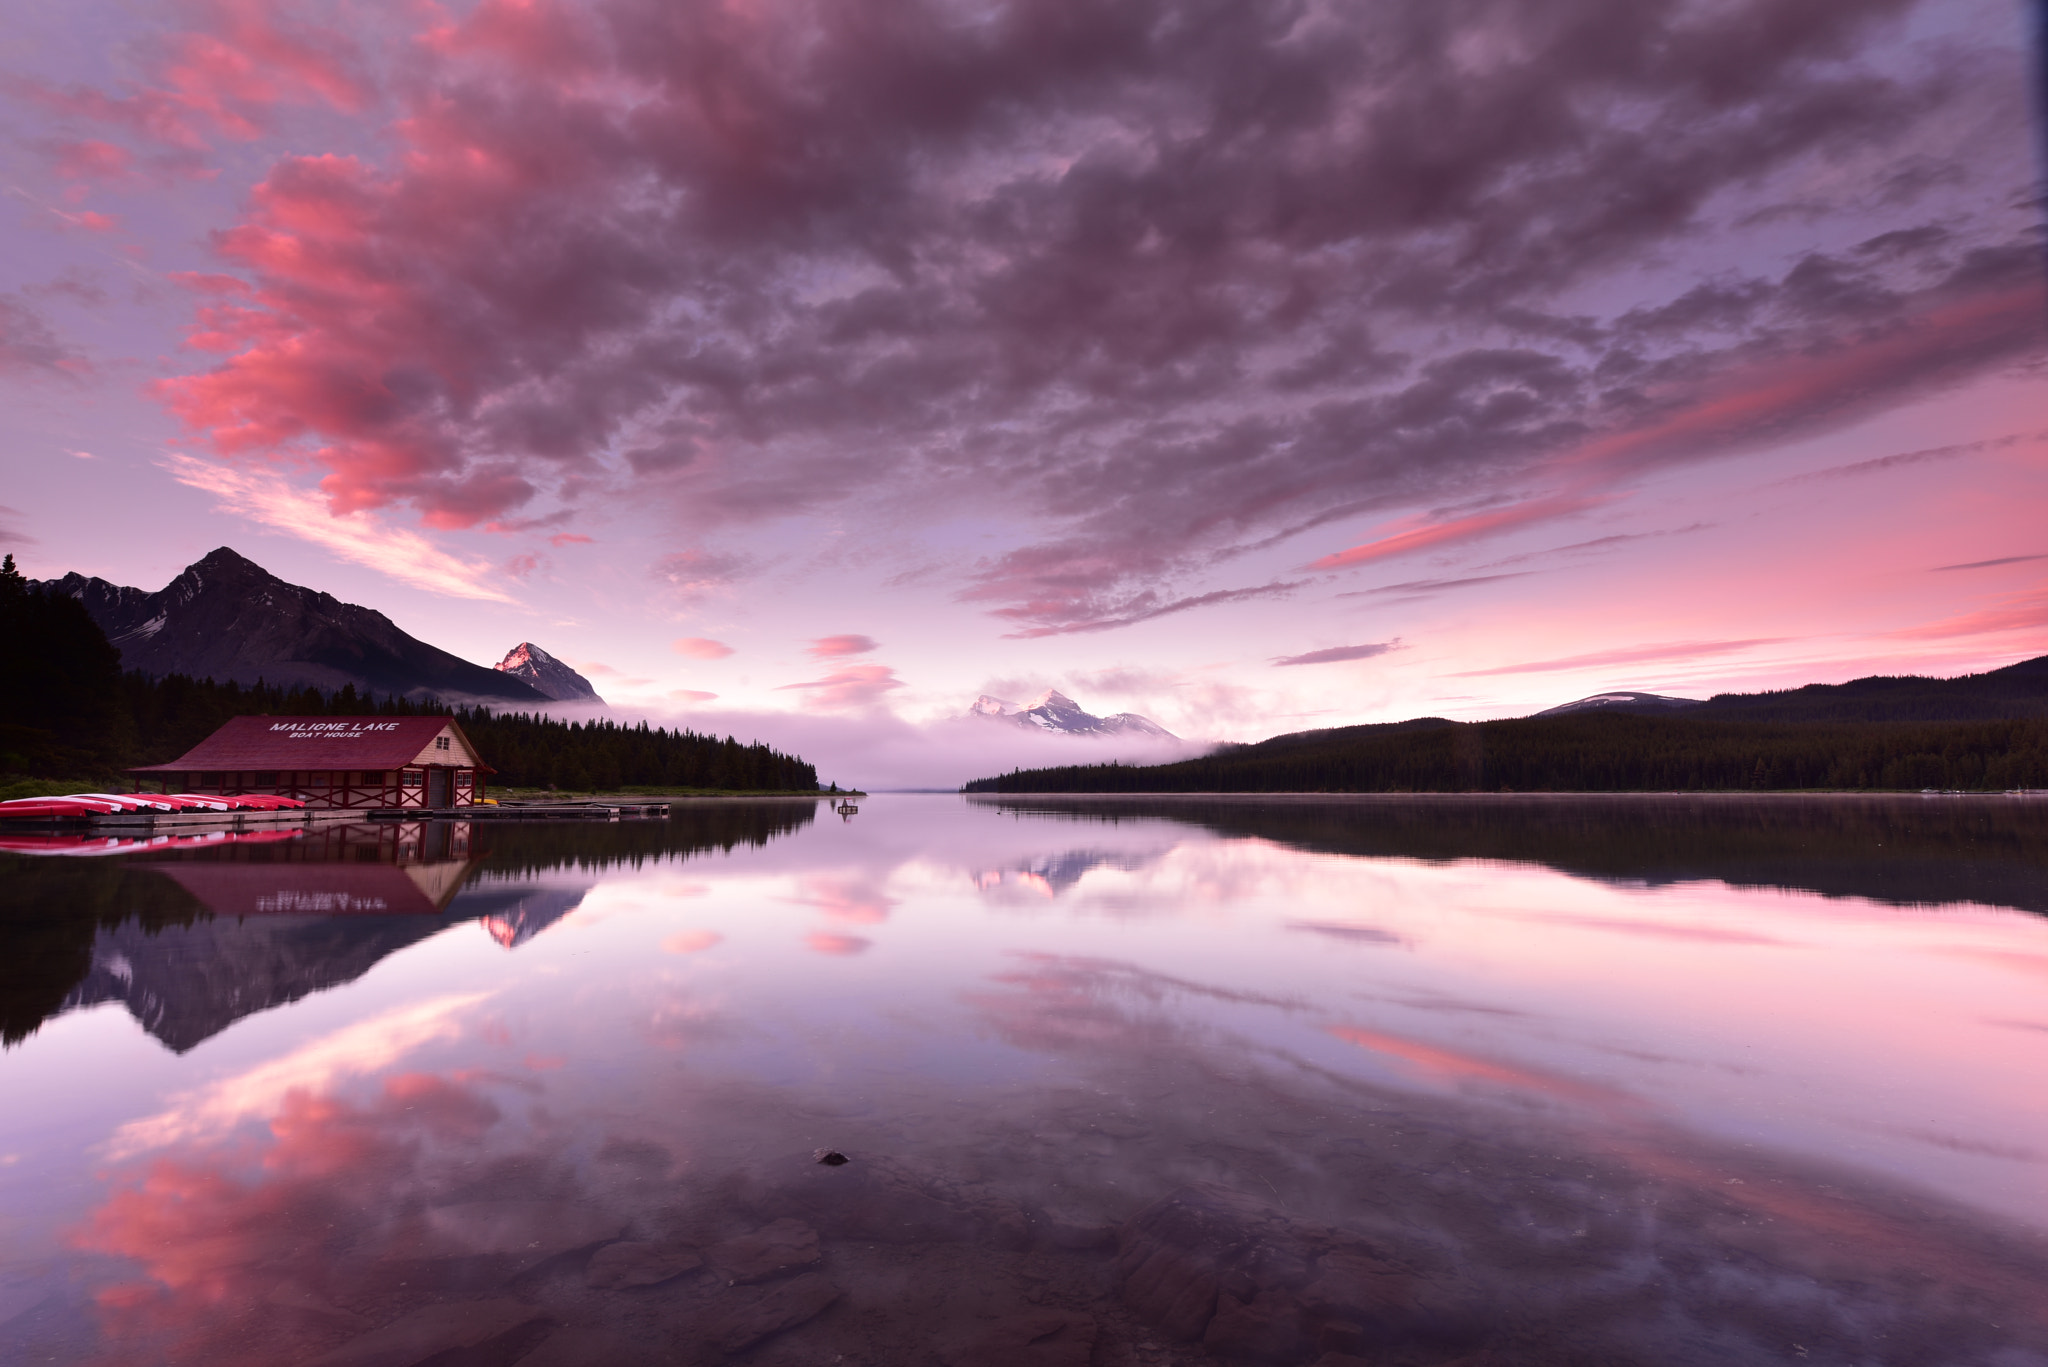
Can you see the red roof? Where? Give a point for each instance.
(311, 743)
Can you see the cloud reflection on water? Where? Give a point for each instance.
(1664, 1148)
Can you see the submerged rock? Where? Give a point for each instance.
(1033, 1338)
(495, 1331)
(527, 1231)
(1210, 1265)
(758, 1315)
(628, 1264)
(883, 1200)
(584, 1348)
(771, 1251)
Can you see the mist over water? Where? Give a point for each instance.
(1478, 1081)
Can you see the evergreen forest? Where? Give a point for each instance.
(69, 712)
(1588, 752)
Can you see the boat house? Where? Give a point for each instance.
(361, 763)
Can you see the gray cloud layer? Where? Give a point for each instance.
(1170, 277)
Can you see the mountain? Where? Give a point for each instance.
(544, 673)
(227, 618)
(1620, 702)
(1056, 712)
(1979, 732)
(186, 984)
(2012, 693)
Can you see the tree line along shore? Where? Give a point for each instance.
(69, 714)
(1589, 752)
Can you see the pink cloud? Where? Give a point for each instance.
(1677, 650)
(90, 221)
(542, 40)
(700, 647)
(1453, 1067)
(855, 686)
(201, 282)
(687, 696)
(269, 500)
(91, 159)
(824, 942)
(570, 539)
(2026, 611)
(699, 573)
(691, 941)
(856, 899)
(834, 647)
(1457, 530)
(223, 78)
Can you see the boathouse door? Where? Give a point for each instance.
(438, 791)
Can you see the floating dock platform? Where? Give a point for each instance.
(529, 811)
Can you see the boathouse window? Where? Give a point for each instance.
(261, 780)
(414, 778)
(442, 743)
(372, 779)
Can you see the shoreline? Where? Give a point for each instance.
(1549, 794)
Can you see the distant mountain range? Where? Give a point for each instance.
(1978, 732)
(2015, 692)
(1055, 712)
(227, 618)
(544, 673)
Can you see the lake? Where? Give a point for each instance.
(1484, 1081)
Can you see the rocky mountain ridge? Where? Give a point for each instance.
(227, 618)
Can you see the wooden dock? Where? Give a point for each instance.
(531, 811)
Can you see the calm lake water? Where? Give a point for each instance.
(1477, 1081)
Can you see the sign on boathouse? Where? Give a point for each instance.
(351, 762)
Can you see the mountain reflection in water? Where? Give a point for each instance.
(1124, 1082)
(193, 943)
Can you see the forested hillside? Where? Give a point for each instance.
(1587, 752)
(2014, 692)
(68, 712)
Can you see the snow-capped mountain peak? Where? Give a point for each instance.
(546, 674)
(1055, 712)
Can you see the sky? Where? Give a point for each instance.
(809, 369)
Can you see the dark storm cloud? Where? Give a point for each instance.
(1166, 276)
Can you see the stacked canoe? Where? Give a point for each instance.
(141, 806)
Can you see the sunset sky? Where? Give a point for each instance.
(1250, 366)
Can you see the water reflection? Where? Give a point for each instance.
(237, 922)
(1907, 851)
(1269, 1085)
